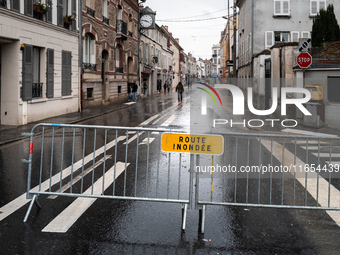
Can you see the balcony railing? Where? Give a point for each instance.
(89, 66)
(90, 12)
(106, 20)
(37, 89)
(214, 55)
(119, 70)
(121, 27)
(3, 3)
(38, 15)
(130, 34)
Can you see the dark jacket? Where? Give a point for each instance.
(134, 87)
(129, 88)
(180, 88)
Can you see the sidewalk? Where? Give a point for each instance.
(9, 134)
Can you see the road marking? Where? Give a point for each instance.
(334, 162)
(311, 180)
(78, 177)
(326, 155)
(304, 132)
(130, 103)
(169, 120)
(316, 147)
(149, 120)
(155, 133)
(145, 141)
(20, 201)
(63, 222)
(309, 142)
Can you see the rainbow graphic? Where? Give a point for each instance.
(209, 93)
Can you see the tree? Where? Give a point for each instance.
(325, 27)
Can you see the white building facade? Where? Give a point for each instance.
(39, 73)
(216, 60)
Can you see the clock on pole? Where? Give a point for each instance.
(147, 18)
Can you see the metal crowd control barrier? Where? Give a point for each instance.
(270, 171)
(254, 170)
(66, 162)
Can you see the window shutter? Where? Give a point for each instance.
(74, 13)
(29, 7)
(294, 35)
(285, 7)
(50, 74)
(277, 7)
(66, 73)
(269, 39)
(49, 13)
(16, 5)
(27, 71)
(144, 53)
(60, 18)
(92, 50)
(305, 34)
(322, 5)
(313, 7)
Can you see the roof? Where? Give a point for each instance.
(264, 52)
(318, 65)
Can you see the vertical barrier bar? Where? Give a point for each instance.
(167, 192)
(115, 167)
(192, 166)
(29, 174)
(104, 163)
(318, 175)
(236, 145)
(197, 188)
(159, 154)
(247, 188)
(179, 175)
(73, 141)
(83, 164)
(126, 151)
(41, 156)
(294, 172)
(283, 172)
(271, 172)
(259, 184)
(212, 180)
(62, 160)
(136, 173)
(52, 145)
(94, 158)
(306, 174)
(223, 179)
(329, 173)
(147, 166)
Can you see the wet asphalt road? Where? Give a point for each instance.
(138, 227)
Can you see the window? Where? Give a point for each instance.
(105, 8)
(119, 59)
(49, 13)
(295, 36)
(66, 60)
(28, 8)
(119, 13)
(282, 7)
(50, 74)
(89, 52)
(316, 6)
(333, 88)
(305, 34)
(281, 37)
(15, 4)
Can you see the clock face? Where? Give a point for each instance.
(146, 21)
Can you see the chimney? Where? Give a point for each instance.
(177, 40)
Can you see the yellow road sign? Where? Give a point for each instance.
(197, 144)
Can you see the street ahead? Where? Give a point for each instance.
(68, 225)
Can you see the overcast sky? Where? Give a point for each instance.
(196, 37)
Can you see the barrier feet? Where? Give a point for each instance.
(184, 215)
(33, 201)
(201, 218)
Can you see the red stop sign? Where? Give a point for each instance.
(178, 74)
(304, 60)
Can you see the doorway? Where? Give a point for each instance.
(105, 80)
(268, 91)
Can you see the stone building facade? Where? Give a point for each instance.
(110, 50)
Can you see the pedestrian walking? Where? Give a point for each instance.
(165, 86)
(159, 85)
(128, 91)
(145, 86)
(168, 85)
(180, 90)
(134, 91)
